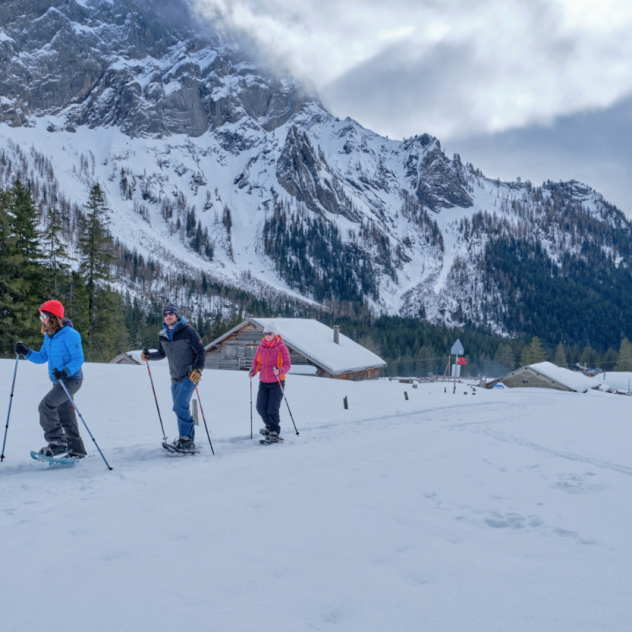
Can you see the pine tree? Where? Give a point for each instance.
(505, 358)
(534, 352)
(590, 358)
(625, 356)
(10, 282)
(96, 249)
(54, 251)
(560, 356)
(23, 272)
(609, 360)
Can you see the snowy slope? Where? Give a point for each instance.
(503, 510)
(192, 138)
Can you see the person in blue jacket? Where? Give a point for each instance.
(64, 354)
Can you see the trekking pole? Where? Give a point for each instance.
(164, 436)
(204, 418)
(251, 408)
(84, 423)
(6, 429)
(288, 406)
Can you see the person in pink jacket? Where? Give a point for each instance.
(272, 362)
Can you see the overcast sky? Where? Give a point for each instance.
(531, 88)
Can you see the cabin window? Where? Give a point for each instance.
(251, 350)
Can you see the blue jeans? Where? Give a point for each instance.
(182, 392)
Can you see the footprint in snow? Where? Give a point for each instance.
(512, 521)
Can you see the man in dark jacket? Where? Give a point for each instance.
(184, 350)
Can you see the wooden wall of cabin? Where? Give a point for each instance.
(236, 352)
(352, 376)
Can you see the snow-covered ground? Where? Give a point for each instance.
(503, 510)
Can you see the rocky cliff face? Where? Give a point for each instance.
(141, 65)
(217, 165)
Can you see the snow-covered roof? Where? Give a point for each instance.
(315, 341)
(135, 355)
(618, 380)
(571, 379)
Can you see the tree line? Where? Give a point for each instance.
(113, 296)
(415, 348)
(36, 267)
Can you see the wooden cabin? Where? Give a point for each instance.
(125, 358)
(546, 375)
(315, 349)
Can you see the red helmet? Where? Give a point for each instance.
(53, 307)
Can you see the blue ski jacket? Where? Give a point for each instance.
(63, 352)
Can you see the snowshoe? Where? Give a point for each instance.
(61, 460)
(273, 437)
(77, 456)
(265, 431)
(181, 445)
(54, 448)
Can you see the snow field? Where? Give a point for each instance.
(506, 510)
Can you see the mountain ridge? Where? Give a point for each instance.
(216, 165)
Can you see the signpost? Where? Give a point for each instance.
(457, 350)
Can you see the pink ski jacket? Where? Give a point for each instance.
(269, 356)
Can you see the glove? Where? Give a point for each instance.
(60, 375)
(144, 355)
(195, 376)
(21, 349)
(251, 374)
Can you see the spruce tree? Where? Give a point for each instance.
(560, 356)
(10, 282)
(96, 248)
(505, 358)
(625, 356)
(590, 358)
(534, 352)
(54, 251)
(23, 272)
(104, 309)
(609, 360)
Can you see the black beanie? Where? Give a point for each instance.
(170, 308)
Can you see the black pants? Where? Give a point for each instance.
(268, 404)
(58, 419)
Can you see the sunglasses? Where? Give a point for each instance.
(43, 317)
(168, 314)
(268, 333)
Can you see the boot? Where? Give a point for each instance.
(54, 448)
(76, 455)
(184, 444)
(265, 431)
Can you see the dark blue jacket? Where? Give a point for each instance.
(183, 348)
(63, 351)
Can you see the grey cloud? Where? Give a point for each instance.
(389, 92)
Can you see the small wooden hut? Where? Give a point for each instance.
(125, 358)
(314, 349)
(546, 375)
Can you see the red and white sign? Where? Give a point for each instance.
(461, 361)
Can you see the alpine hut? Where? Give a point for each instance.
(315, 349)
(546, 375)
(131, 357)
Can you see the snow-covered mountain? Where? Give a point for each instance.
(213, 163)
